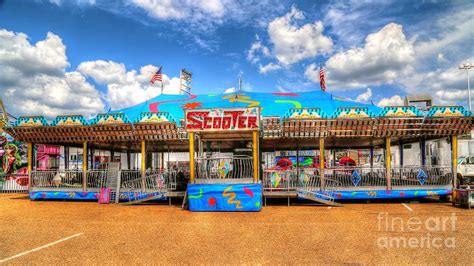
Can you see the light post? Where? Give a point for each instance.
(467, 67)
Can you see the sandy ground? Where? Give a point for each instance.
(300, 234)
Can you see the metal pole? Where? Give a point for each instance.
(255, 155)
(388, 163)
(454, 159)
(143, 153)
(469, 90)
(321, 162)
(191, 157)
(30, 162)
(84, 166)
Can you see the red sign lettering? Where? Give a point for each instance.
(222, 119)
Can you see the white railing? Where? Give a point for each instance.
(421, 176)
(360, 177)
(13, 183)
(56, 179)
(226, 167)
(353, 176)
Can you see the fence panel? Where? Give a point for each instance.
(14, 183)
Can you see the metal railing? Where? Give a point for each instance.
(144, 187)
(323, 189)
(357, 176)
(421, 176)
(13, 183)
(56, 179)
(360, 177)
(224, 167)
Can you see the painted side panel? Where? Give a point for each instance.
(225, 197)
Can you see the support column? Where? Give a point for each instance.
(255, 156)
(371, 157)
(388, 163)
(454, 159)
(191, 157)
(321, 162)
(400, 147)
(162, 160)
(30, 162)
(129, 160)
(423, 152)
(66, 157)
(143, 153)
(84, 166)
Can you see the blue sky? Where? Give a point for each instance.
(83, 56)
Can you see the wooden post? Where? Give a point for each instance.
(30, 162)
(143, 153)
(321, 162)
(454, 160)
(191, 157)
(388, 163)
(84, 166)
(255, 156)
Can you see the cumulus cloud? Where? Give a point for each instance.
(257, 49)
(395, 100)
(33, 80)
(121, 84)
(181, 9)
(230, 90)
(385, 56)
(268, 68)
(292, 43)
(365, 96)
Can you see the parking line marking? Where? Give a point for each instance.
(38, 248)
(329, 207)
(406, 206)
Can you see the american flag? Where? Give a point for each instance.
(157, 76)
(322, 81)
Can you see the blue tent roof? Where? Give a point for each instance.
(272, 104)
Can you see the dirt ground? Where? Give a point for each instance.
(357, 233)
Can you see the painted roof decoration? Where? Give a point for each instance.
(300, 105)
(30, 121)
(272, 104)
(69, 120)
(444, 111)
(149, 117)
(352, 112)
(116, 118)
(400, 111)
(304, 113)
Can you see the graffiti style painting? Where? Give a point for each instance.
(13, 171)
(225, 197)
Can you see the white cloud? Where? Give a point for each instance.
(230, 90)
(33, 80)
(269, 68)
(182, 9)
(365, 96)
(256, 50)
(103, 72)
(292, 43)
(384, 58)
(122, 84)
(395, 100)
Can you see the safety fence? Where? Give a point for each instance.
(359, 177)
(421, 176)
(96, 179)
(224, 167)
(13, 183)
